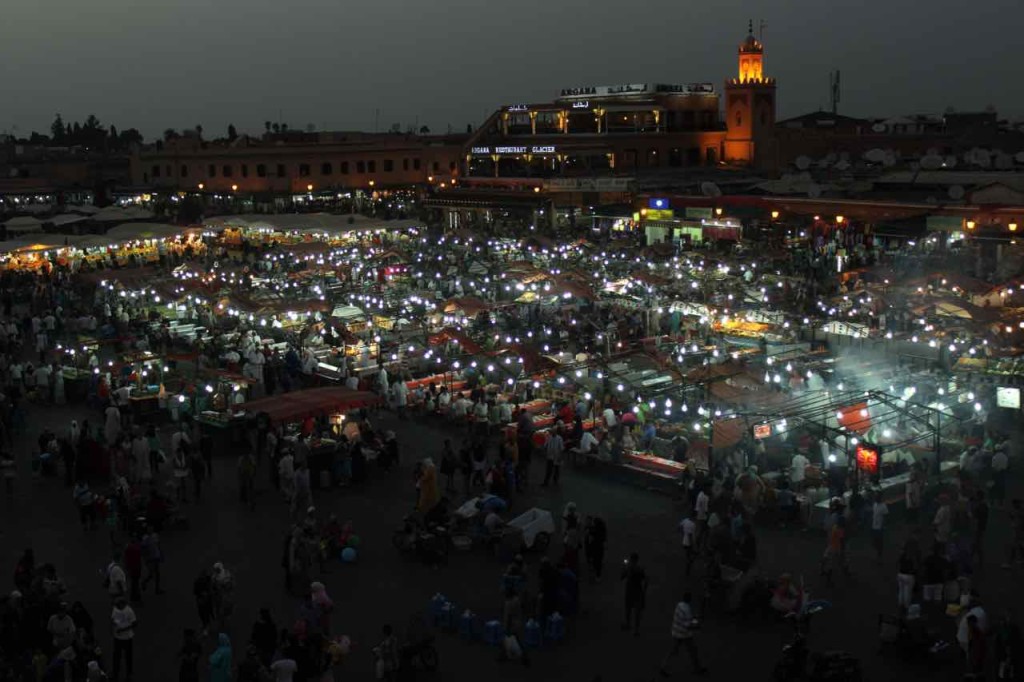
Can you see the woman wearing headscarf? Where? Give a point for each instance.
(220, 660)
(429, 494)
(323, 605)
(223, 594)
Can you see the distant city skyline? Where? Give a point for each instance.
(152, 66)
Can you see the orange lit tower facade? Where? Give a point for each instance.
(749, 108)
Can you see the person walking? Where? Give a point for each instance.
(220, 660)
(303, 494)
(133, 568)
(594, 539)
(123, 621)
(635, 578)
(247, 479)
(181, 471)
(286, 476)
(115, 580)
(906, 576)
(152, 556)
(188, 656)
(879, 510)
(979, 519)
(682, 631)
(555, 452)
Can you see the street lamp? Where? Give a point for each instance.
(970, 224)
(839, 220)
(1013, 227)
(309, 187)
(430, 178)
(718, 211)
(234, 188)
(201, 186)
(775, 215)
(372, 183)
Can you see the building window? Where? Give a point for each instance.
(437, 167)
(451, 166)
(326, 168)
(282, 172)
(415, 164)
(764, 117)
(389, 165)
(739, 119)
(211, 170)
(184, 171)
(245, 170)
(156, 171)
(167, 170)
(405, 164)
(226, 171)
(360, 167)
(261, 170)
(711, 156)
(371, 166)
(344, 167)
(652, 158)
(303, 170)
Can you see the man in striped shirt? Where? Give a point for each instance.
(683, 625)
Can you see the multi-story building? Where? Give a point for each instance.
(298, 162)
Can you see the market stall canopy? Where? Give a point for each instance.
(457, 337)
(24, 224)
(66, 219)
(470, 306)
(112, 214)
(347, 313)
(325, 222)
(84, 209)
(311, 402)
(130, 231)
(27, 245)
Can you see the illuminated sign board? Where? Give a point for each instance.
(762, 431)
(535, 149)
(867, 458)
(637, 89)
(584, 104)
(657, 202)
(519, 107)
(1008, 396)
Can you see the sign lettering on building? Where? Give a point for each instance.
(537, 149)
(518, 107)
(637, 89)
(581, 105)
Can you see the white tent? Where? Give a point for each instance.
(66, 219)
(322, 222)
(27, 244)
(112, 214)
(130, 231)
(23, 224)
(85, 209)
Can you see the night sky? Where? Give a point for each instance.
(154, 64)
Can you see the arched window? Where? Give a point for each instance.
(739, 118)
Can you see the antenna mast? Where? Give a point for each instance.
(833, 81)
(761, 26)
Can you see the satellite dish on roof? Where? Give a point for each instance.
(956, 192)
(878, 128)
(874, 155)
(931, 162)
(710, 189)
(814, 191)
(803, 162)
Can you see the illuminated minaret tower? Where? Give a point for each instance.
(749, 105)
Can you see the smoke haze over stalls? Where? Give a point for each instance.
(153, 65)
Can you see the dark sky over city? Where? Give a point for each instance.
(155, 64)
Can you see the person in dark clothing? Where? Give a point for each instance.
(188, 655)
(635, 578)
(548, 580)
(264, 636)
(595, 536)
(202, 590)
(206, 451)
